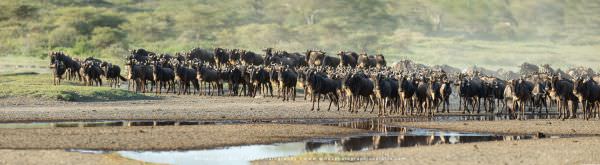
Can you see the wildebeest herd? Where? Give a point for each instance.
(349, 80)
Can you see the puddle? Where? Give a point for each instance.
(409, 137)
(113, 123)
(380, 136)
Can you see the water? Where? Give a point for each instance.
(113, 123)
(392, 137)
(381, 135)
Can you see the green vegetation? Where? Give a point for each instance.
(489, 33)
(40, 86)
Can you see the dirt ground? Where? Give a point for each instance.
(582, 150)
(169, 107)
(163, 137)
(549, 126)
(62, 157)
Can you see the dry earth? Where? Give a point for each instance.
(169, 107)
(163, 137)
(62, 157)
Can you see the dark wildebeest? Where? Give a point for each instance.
(383, 92)
(539, 96)
(522, 94)
(235, 80)
(251, 58)
(279, 58)
(92, 73)
(445, 92)
(303, 80)
(185, 76)
(58, 70)
(320, 84)
(164, 77)
(312, 58)
(406, 90)
(72, 66)
(135, 75)
(361, 87)
(561, 90)
(221, 57)
(298, 58)
(208, 79)
(365, 61)
(509, 98)
(112, 74)
(234, 57)
(287, 79)
(202, 55)
(434, 94)
(588, 94)
(423, 97)
(380, 61)
(348, 59)
(260, 81)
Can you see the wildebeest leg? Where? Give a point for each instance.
(318, 101)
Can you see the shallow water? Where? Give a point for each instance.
(392, 137)
(113, 123)
(381, 135)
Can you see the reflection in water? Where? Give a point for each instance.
(407, 137)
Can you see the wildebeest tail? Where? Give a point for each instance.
(122, 78)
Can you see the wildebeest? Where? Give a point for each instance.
(445, 92)
(91, 73)
(423, 97)
(287, 79)
(320, 84)
(279, 57)
(361, 87)
(588, 93)
(380, 61)
(383, 92)
(561, 91)
(72, 66)
(208, 78)
(235, 80)
(365, 61)
(406, 90)
(164, 77)
(348, 59)
(58, 70)
(522, 94)
(259, 79)
(221, 57)
(251, 58)
(112, 74)
(202, 55)
(185, 76)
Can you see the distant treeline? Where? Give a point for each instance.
(111, 27)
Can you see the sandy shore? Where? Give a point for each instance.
(62, 157)
(163, 137)
(169, 107)
(582, 150)
(550, 127)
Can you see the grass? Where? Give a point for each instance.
(33, 85)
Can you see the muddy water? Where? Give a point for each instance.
(112, 123)
(381, 136)
(394, 138)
